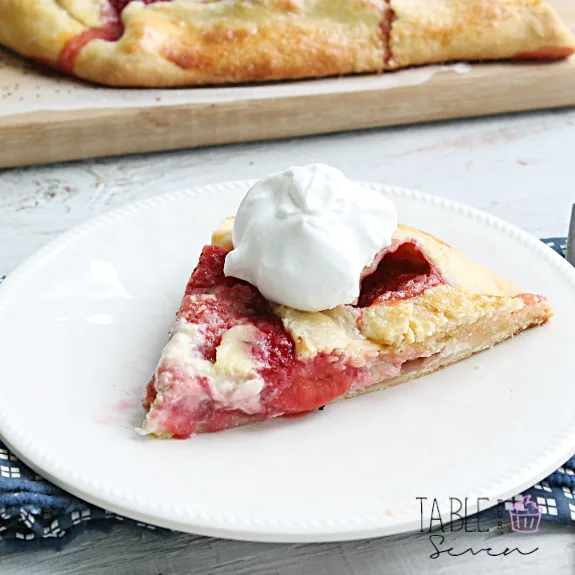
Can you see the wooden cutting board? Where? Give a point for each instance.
(52, 134)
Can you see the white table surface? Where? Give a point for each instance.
(521, 168)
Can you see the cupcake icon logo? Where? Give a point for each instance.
(525, 516)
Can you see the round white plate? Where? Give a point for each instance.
(82, 324)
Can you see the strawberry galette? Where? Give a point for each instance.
(154, 43)
(234, 357)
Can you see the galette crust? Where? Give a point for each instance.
(428, 31)
(37, 29)
(182, 43)
(199, 42)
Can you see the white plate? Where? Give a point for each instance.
(82, 323)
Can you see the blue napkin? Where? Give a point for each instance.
(34, 510)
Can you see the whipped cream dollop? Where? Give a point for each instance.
(303, 237)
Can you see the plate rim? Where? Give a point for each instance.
(201, 523)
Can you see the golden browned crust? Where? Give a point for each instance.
(427, 31)
(457, 269)
(185, 43)
(222, 236)
(37, 29)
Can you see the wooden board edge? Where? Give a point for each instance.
(48, 137)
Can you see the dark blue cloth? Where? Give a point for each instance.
(33, 509)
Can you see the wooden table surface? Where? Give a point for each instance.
(521, 168)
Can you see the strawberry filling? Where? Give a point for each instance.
(402, 273)
(119, 5)
(69, 53)
(386, 26)
(292, 387)
(549, 53)
(110, 29)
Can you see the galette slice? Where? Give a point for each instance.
(235, 358)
